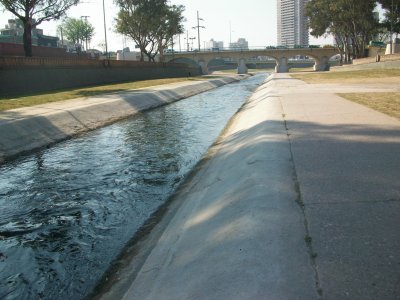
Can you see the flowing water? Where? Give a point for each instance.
(66, 212)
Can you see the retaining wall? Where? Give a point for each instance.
(35, 74)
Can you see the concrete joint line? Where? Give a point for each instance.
(300, 202)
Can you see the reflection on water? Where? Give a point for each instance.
(66, 212)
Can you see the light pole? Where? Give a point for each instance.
(198, 28)
(391, 29)
(187, 40)
(192, 39)
(105, 28)
(86, 33)
(230, 33)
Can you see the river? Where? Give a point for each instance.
(66, 212)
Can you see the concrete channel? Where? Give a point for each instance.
(26, 129)
(298, 200)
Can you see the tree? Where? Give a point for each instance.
(150, 23)
(392, 15)
(171, 23)
(351, 22)
(34, 12)
(77, 30)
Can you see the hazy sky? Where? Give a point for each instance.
(254, 20)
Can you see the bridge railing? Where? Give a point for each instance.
(252, 48)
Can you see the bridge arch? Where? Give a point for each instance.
(321, 57)
(190, 62)
(184, 60)
(221, 63)
(322, 61)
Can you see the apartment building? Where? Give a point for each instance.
(240, 44)
(292, 23)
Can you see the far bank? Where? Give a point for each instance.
(26, 129)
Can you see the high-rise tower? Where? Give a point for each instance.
(292, 23)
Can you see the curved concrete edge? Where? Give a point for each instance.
(27, 129)
(233, 229)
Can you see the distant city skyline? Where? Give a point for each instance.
(227, 21)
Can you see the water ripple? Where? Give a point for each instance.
(66, 212)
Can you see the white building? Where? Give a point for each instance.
(240, 44)
(214, 44)
(292, 23)
(126, 54)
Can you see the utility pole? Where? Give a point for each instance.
(198, 28)
(391, 28)
(187, 40)
(105, 28)
(230, 33)
(62, 36)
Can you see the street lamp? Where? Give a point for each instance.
(198, 28)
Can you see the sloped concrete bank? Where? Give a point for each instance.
(297, 200)
(26, 129)
(233, 230)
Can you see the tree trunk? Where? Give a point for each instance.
(27, 37)
(161, 49)
(141, 54)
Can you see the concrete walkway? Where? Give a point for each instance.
(300, 199)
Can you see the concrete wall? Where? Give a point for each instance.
(11, 49)
(387, 61)
(395, 48)
(45, 74)
(374, 51)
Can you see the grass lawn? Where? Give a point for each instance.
(307, 69)
(234, 71)
(7, 103)
(360, 76)
(387, 103)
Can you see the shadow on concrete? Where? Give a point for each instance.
(348, 183)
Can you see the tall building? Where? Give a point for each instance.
(292, 23)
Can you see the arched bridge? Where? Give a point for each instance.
(281, 56)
